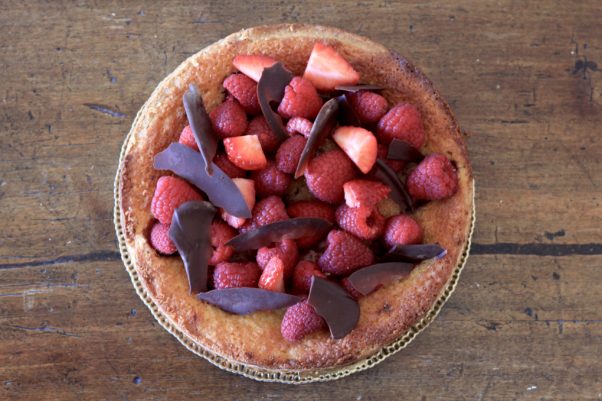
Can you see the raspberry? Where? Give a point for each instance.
(229, 119)
(299, 125)
(350, 289)
(363, 222)
(396, 165)
(302, 275)
(243, 89)
(170, 193)
(270, 181)
(300, 320)
(364, 193)
(289, 153)
(229, 275)
(272, 278)
(220, 234)
(300, 100)
(326, 174)
(231, 170)
(317, 209)
(159, 238)
(266, 211)
(187, 138)
(369, 107)
(402, 230)
(434, 178)
(344, 254)
(402, 122)
(267, 138)
(286, 251)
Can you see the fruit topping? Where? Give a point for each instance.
(402, 150)
(344, 254)
(326, 174)
(243, 89)
(187, 138)
(289, 153)
(230, 275)
(268, 139)
(229, 119)
(299, 125)
(271, 181)
(247, 189)
(300, 320)
(221, 160)
(363, 222)
(159, 238)
(302, 275)
(245, 152)
(369, 107)
(252, 65)
(221, 233)
(370, 278)
(170, 193)
(266, 211)
(327, 69)
(270, 91)
(403, 122)
(383, 173)
(402, 230)
(300, 100)
(340, 311)
(285, 250)
(359, 144)
(200, 125)
(272, 277)
(244, 300)
(312, 208)
(433, 179)
(366, 193)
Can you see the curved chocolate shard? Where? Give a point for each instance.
(357, 88)
(369, 278)
(401, 150)
(200, 124)
(275, 232)
(335, 305)
(245, 300)
(270, 90)
(347, 115)
(322, 127)
(190, 165)
(415, 253)
(399, 194)
(190, 231)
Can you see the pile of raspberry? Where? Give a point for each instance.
(337, 184)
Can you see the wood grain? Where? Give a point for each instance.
(525, 83)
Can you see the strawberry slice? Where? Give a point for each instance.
(327, 69)
(252, 65)
(272, 278)
(245, 152)
(359, 144)
(247, 189)
(366, 193)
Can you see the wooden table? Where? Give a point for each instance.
(525, 322)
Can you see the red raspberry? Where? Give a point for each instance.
(231, 170)
(369, 107)
(243, 89)
(159, 238)
(267, 138)
(396, 165)
(266, 211)
(289, 153)
(317, 209)
(229, 275)
(286, 251)
(345, 254)
(402, 230)
(300, 320)
(299, 125)
(270, 181)
(402, 122)
(346, 284)
(434, 178)
(272, 277)
(170, 193)
(300, 100)
(220, 234)
(229, 119)
(364, 193)
(187, 138)
(361, 221)
(302, 275)
(326, 174)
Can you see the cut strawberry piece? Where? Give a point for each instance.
(252, 65)
(327, 69)
(247, 189)
(272, 278)
(245, 152)
(359, 144)
(365, 193)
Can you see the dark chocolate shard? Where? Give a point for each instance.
(399, 194)
(335, 305)
(200, 124)
(401, 150)
(357, 88)
(270, 91)
(190, 165)
(275, 232)
(347, 115)
(323, 126)
(415, 253)
(190, 231)
(369, 278)
(245, 300)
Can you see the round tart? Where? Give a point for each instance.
(252, 344)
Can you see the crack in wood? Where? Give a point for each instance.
(105, 110)
(44, 328)
(101, 256)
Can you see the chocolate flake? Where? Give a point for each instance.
(200, 124)
(190, 165)
(369, 278)
(335, 305)
(347, 115)
(357, 88)
(275, 232)
(270, 90)
(245, 300)
(401, 150)
(415, 253)
(190, 231)
(322, 127)
(383, 173)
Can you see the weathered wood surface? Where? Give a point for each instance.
(524, 80)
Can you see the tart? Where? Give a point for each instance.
(253, 344)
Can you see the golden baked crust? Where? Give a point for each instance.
(255, 339)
